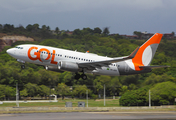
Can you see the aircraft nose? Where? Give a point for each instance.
(10, 51)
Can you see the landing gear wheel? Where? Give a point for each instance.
(77, 76)
(22, 66)
(84, 77)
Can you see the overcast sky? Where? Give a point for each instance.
(121, 16)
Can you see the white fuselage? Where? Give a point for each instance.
(60, 60)
(50, 56)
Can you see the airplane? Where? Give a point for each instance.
(60, 60)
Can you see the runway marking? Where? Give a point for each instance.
(6, 115)
(130, 112)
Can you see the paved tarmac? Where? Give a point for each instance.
(90, 116)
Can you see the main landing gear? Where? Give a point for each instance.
(83, 76)
(22, 66)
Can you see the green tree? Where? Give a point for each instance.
(24, 93)
(32, 89)
(139, 34)
(99, 83)
(43, 27)
(44, 91)
(2, 91)
(48, 78)
(117, 37)
(154, 79)
(106, 31)
(77, 32)
(36, 26)
(134, 97)
(63, 90)
(163, 93)
(29, 27)
(114, 85)
(80, 90)
(123, 89)
(57, 30)
(7, 28)
(87, 31)
(7, 91)
(97, 30)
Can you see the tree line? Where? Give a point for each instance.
(133, 89)
(45, 32)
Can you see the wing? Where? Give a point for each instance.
(99, 64)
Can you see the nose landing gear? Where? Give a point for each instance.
(23, 62)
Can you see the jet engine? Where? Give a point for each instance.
(68, 66)
(53, 68)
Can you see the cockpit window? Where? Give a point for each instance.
(19, 47)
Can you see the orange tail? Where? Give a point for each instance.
(147, 51)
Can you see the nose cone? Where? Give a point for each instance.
(10, 51)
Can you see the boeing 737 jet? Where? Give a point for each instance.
(56, 59)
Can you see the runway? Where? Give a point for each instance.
(89, 116)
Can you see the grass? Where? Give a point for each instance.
(91, 103)
(61, 103)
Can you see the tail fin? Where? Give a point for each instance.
(146, 52)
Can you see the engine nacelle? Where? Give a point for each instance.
(68, 66)
(53, 68)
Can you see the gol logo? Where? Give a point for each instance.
(38, 54)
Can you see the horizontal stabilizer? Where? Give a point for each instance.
(156, 66)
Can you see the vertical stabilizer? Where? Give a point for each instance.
(147, 51)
